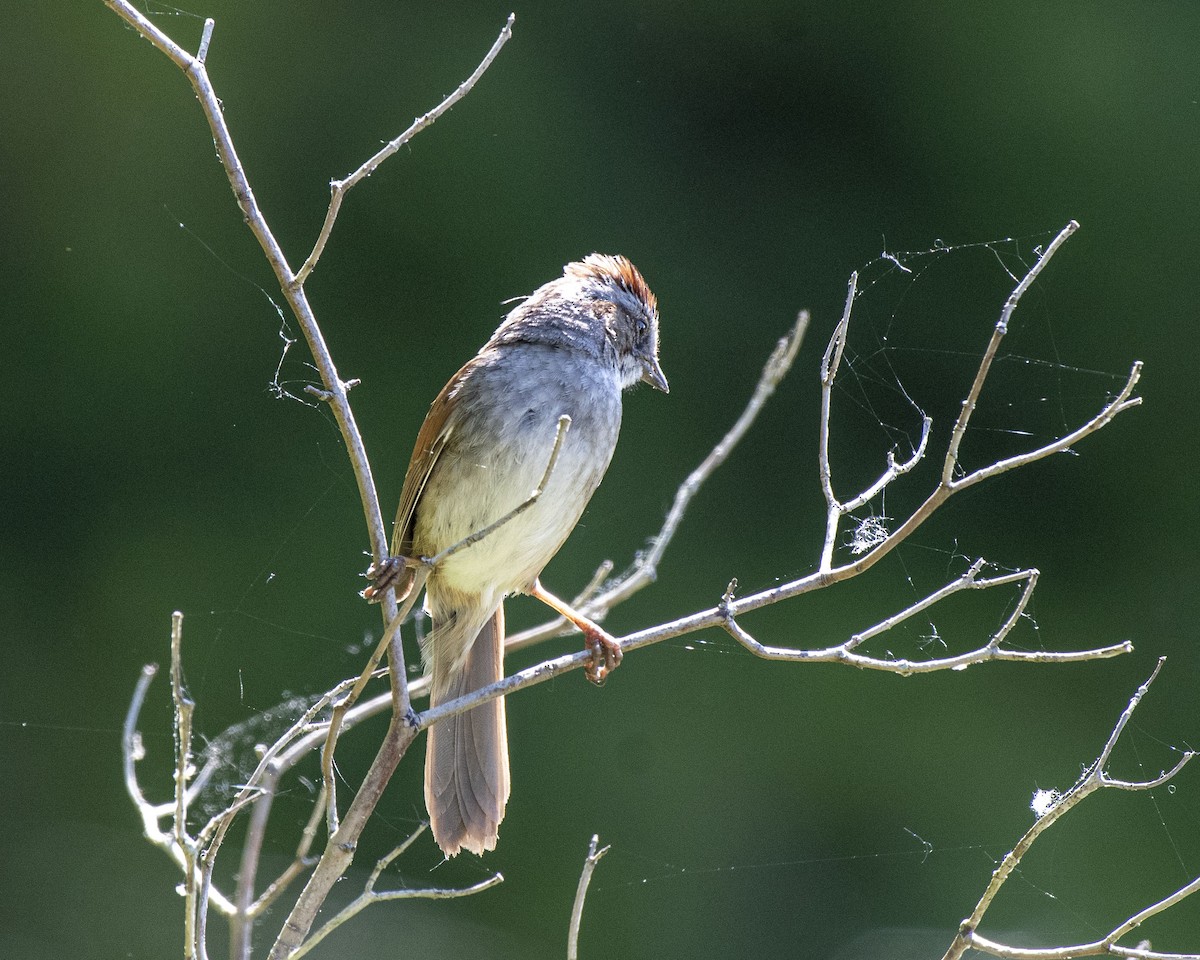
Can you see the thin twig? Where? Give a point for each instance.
(195, 70)
(340, 848)
(585, 878)
(260, 787)
(1124, 400)
(301, 862)
(205, 39)
(339, 188)
(835, 508)
(153, 814)
(560, 435)
(830, 362)
(133, 750)
(390, 641)
(989, 354)
(241, 925)
(990, 651)
(184, 710)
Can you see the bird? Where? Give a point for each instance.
(539, 406)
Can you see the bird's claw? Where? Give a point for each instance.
(606, 656)
(389, 572)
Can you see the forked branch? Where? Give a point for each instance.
(339, 188)
(370, 895)
(1096, 777)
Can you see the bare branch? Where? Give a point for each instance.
(845, 652)
(197, 74)
(335, 389)
(197, 856)
(134, 750)
(152, 814)
(585, 878)
(1121, 402)
(249, 909)
(829, 367)
(724, 616)
(339, 188)
(370, 895)
(1094, 778)
(989, 354)
(390, 641)
(184, 710)
(298, 865)
(339, 850)
(836, 509)
(205, 39)
(1093, 949)
(1106, 754)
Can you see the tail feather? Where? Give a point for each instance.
(466, 759)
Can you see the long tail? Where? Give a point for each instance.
(466, 759)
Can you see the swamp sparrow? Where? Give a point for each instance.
(568, 350)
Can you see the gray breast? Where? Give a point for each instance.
(501, 440)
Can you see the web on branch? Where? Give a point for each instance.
(915, 338)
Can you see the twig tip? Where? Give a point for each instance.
(205, 39)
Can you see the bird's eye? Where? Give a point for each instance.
(641, 326)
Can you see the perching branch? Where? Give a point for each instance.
(1096, 777)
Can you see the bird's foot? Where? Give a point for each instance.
(389, 572)
(606, 655)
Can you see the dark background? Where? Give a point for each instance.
(747, 157)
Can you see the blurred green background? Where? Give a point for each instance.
(747, 157)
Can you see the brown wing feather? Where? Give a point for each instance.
(431, 440)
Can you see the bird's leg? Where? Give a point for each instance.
(605, 650)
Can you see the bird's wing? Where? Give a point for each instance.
(431, 441)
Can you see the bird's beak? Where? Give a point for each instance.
(653, 374)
